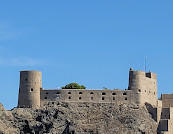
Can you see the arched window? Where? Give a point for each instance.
(91, 93)
(113, 93)
(69, 97)
(47, 93)
(32, 89)
(80, 98)
(45, 97)
(80, 93)
(125, 98)
(113, 98)
(103, 93)
(124, 93)
(69, 92)
(92, 98)
(103, 98)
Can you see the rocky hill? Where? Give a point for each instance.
(78, 118)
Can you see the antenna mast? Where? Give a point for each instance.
(145, 66)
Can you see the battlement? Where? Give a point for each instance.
(151, 75)
(142, 74)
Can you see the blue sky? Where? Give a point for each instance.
(92, 42)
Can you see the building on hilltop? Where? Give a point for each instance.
(142, 90)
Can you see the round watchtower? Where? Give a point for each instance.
(29, 89)
(136, 85)
(135, 80)
(143, 87)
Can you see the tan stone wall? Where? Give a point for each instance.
(29, 89)
(166, 121)
(167, 100)
(83, 95)
(159, 110)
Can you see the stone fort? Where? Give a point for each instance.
(142, 90)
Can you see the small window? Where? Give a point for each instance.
(45, 97)
(91, 93)
(145, 90)
(103, 98)
(69, 92)
(113, 93)
(47, 93)
(154, 93)
(69, 97)
(139, 90)
(92, 98)
(80, 93)
(80, 98)
(57, 97)
(19, 90)
(125, 98)
(26, 79)
(113, 98)
(57, 92)
(124, 93)
(31, 89)
(103, 93)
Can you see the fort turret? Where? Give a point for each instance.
(143, 86)
(29, 89)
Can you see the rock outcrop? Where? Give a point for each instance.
(78, 118)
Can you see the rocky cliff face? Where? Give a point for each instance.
(78, 118)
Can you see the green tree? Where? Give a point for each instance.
(73, 86)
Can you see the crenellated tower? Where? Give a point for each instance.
(29, 89)
(143, 86)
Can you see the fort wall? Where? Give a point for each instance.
(142, 88)
(167, 100)
(82, 95)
